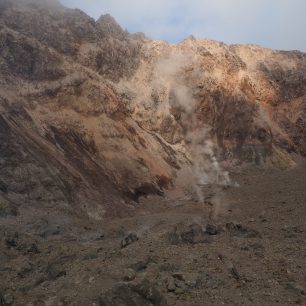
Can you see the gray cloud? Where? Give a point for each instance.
(276, 24)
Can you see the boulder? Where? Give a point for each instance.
(133, 294)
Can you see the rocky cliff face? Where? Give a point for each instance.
(92, 117)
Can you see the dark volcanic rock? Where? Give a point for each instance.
(6, 299)
(192, 234)
(211, 229)
(3, 187)
(129, 275)
(129, 239)
(241, 231)
(55, 271)
(143, 293)
(143, 264)
(7, 208)
(11, 240)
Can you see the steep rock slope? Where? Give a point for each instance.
(92, 116)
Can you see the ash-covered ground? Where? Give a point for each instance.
(166, 252)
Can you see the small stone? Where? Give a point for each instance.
(166, 267)
(129, 275)
(189, 234)
(91, 255)
(26, 270)
(235, 273)
(296, 288)
(55, 271)
(179, 275)
(7, 209)
(11, 243)
(180, 284)
(179, 291)
(152, 271)
(8, 299)
(11, 240)
(3, 187)
(139, 266)
(171, 284)
(91, 279)
(192, 280)
(211, 229)
(100, 237)
(143, 264)
(150, 292)
(238, 230)
(257, 246)
(188, 280)
(210, 281)
(129, 239)
(143, 293)
(33, 249)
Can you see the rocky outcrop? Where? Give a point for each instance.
(92, 117)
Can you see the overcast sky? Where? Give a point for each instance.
(278, 24)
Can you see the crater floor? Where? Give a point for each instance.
(252, 253)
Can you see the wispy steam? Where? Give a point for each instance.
(170, 73)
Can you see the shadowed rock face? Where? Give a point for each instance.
(90, 114)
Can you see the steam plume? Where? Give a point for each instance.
(206, 170)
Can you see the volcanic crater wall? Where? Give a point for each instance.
(92, 116)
